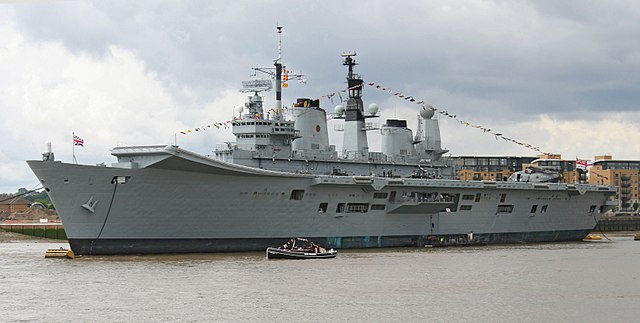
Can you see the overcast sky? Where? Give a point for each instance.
(561, 75)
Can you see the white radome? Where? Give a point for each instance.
(373, 108)
(427, 112)
(339, 109)
(240, 109)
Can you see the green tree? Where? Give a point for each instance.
(40, 196)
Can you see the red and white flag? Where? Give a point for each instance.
(77, 141)
(583, 163)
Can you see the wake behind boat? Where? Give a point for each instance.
(299, 248)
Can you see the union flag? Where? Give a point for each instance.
(77, 141)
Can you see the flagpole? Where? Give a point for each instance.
(73, 147)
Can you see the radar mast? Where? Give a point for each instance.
(280, 73)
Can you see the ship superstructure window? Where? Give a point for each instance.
(503, 197)
(425, 197)
(467, 197)
(340, 208)
(378, 207)
(465, 207)
(505, 208)
(592, 208)
(297, 195)
(380, 195)
(478, 197)
(534, 208)
(357, 207)
(392, 197)
(322, 208)
(543, 209)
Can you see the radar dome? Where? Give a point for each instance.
(239, 109)
(373, 108)
(339, 109)
(427, 112)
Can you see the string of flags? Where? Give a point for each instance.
(338, 93)
(445, 113)
(217, 125)
(398, 94)
(226, 124)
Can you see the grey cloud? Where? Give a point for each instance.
(528, 55)
(486, 61)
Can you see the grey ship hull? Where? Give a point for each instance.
(181, 202)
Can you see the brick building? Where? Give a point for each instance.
(16, 204)
(624, 174)
(488, 168)
(499, 168)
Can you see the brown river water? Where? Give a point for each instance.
(557, 282)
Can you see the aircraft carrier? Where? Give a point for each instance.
(282, 179)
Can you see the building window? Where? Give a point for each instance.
(296, 195)
(322, 208)
(534, 208)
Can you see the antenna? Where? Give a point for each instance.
(256, 86)
(279, 60)
(349, 61)
(279, 73)
(278, 66)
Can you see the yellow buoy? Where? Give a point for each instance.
(59, 253)
(593, 237)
